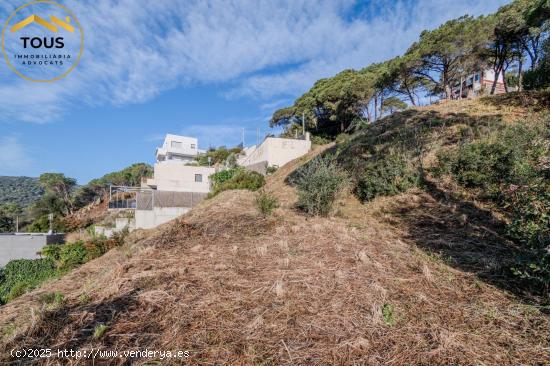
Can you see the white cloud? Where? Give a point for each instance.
(136, 49)
(13, 156)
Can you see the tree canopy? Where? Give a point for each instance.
(433, 65)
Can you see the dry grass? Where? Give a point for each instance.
(234, 287)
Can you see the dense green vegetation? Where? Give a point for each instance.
(22, 191)
(235, 178)
(218, 155)
(510, 168)
(387, 175)
(21, 276)
(509, 39)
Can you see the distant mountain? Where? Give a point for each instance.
(21, 190)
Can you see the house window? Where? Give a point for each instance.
(176, 144)
(198, 178)
(193, 146)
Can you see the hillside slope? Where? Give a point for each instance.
(398, 281)
(23, 191)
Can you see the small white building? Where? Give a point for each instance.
(274, 152)
(178, 148)
(178, 176)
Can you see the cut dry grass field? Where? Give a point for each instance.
(404, 280)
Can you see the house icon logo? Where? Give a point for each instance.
(42, 41)
(52, 26)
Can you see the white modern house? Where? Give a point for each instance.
(274, 152)
(179, 183)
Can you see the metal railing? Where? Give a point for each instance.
(123, 204)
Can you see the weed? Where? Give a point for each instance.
(266, 203)
(99, 331)
(52, 299)
(388, 315)
(8, 331)
(84, 298)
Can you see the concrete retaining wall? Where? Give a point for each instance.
(148, 219)
(25, 246)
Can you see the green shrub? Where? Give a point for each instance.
(320, 140)
(72, 255)
(385, 176)
(237, 179)
(319, 183)
(52, 251)
(22, 275)
(222, 176)
(512, 169)
(267, 203)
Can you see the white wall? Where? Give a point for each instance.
(178, 177)
(187, 144)
(159, 215)
(25, 246)
(278, 151)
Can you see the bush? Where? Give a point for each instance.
(22, 275)
(267, 203)
(319, 183)
(222, 176)
(72, 255)
(512, 169)
(320, 140)
(386, 175)
(237, 178)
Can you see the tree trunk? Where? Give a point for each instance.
(409, 94)
(505, 84)
(520, 75)
(497, 75)
(375, 108)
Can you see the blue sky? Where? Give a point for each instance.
(200, 68)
